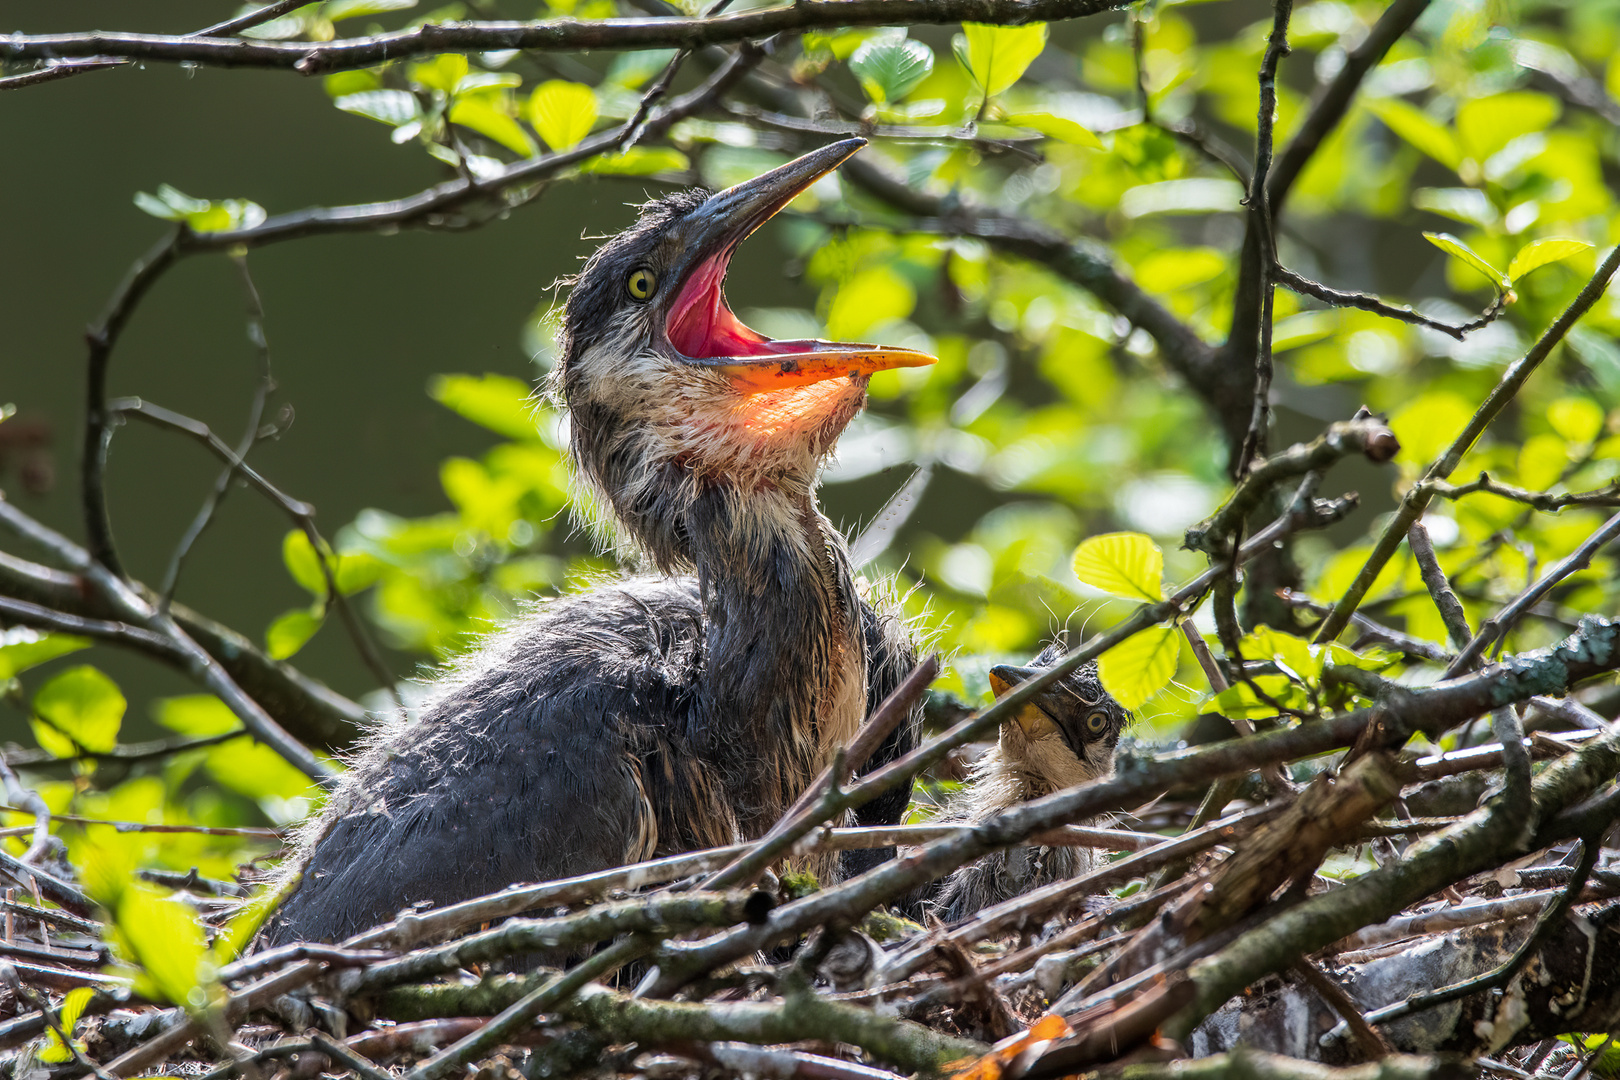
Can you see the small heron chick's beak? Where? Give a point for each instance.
(703, 330)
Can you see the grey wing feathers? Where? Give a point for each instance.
(517, 770)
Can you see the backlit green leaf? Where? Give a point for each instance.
(562, 112)
(1139, 667)
(890, 68)
(1123, 564)
(196, 715)
(482, 113)
(55, 1050)
(998, 56)
(338, 10)
(1453, 246)
(303, 563)
(290, 631)
(1292, 654)
(1056, 127)
(1538, 253)
(443, 72)
(391, 107)
(500, 403)
(1415, 126)
(22, 648)
(1577, 419)
(83, 704)
(638, 161)
(166, 940)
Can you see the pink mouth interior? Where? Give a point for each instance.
(701, 326)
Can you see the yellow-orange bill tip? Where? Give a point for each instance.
(782, 370)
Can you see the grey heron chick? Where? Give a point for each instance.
(1065, 736)
(665, 712)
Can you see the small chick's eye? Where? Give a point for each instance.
(1097, 723)
(640, 284)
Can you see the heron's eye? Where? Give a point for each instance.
(640, 284)
(1096, 723)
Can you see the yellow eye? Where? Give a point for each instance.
(641, 283)
(1096, 723)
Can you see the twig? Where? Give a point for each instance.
(1416, 499)
(301, 513)
(547, 35)
(1373, 1044)
(222, 485)
(1368, 436)
(1259, 200)
(548, 996)
(1366, 302)
(202, 667)
(1608, 495)
(1451, 609)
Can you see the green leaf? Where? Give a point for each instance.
(83, 704)
(1577, 419)
(51, 741)
(1488, 124)
(500, 403)
(1241, 703)
(444, 72)
(1453, 246)
(252, 769)
(73, 1006)
(997, 56)
(891, 68)
(165, 938)
(873, 296)
(343, 83)
(291, 630)
(24, 648)
(562, 112)
(1123, 564)
(1292, 654)
(356, 570)
(1140, 666)
(338, 10)
(1056, 127)
(638, 161)
(1305, 328)
(196, 715)
(1538, 253)
(200, 215)
(1414, 125)
(391, 107)
(481, 113)
(303, 563)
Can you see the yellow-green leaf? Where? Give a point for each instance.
(291, 630)
(1538, 253)
(27, 648)
(1124, 564)
(165, 938)
(196, 715)
(1140, 666)
(1415, 126)
(73, 1006)
(562, 112)
(1056, 127)
(1577, 419)
(482, 113)
(638, 161)
(1292, 654)
(1453, 246)
(998, 56)
(83, 704)
(498, 402)
(303, 563)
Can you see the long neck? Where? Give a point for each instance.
(786, 673)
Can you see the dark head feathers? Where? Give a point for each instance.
(598, 289)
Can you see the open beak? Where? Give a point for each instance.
(703, 329)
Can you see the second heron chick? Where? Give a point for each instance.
(1063, 737)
